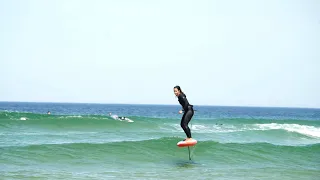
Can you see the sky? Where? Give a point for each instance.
(221, 52)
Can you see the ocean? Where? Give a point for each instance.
(80, 141)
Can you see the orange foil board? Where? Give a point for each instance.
(187, 143)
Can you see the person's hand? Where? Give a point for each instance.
(180, 112)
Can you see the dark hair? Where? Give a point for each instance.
(178, 87)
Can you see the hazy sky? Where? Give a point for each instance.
(221, 52)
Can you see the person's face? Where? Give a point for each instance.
(176, 91)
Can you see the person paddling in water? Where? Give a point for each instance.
(117, 117)
(188, 111)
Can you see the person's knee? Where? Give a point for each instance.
(182, 125)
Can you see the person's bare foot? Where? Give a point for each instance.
(188, 139)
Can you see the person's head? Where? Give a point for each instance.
(48, 112)
(177, 90)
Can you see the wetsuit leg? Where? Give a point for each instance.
(185, 121)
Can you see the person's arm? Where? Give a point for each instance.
(183, 102)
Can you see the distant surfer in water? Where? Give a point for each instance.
(121, 118)
(188, 111)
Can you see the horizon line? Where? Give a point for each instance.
(203, 105)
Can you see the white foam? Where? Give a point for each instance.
(301, 129)
(126, 119)
(70, 116)
(310, 131)
(23, 118)
(209, 128)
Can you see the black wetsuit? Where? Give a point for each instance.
(187, 115)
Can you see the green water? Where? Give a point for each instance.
(38, 146)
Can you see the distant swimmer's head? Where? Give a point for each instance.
(177, 90)
(48, 112)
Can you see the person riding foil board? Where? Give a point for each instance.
(187, 108)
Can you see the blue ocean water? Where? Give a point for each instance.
(80, 141)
